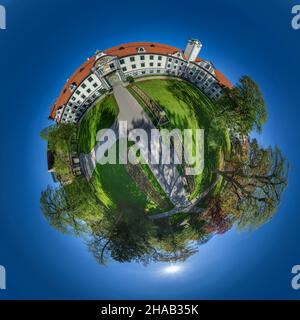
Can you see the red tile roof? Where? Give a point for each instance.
(223, 80)
(81, 73)
(127, 49)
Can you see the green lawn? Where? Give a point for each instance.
(101, 116)
(117, 190)
(188, 108)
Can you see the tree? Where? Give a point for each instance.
(59, 136)
(256, 181)
(73, 208)
(130, 79)
(242, 108)
(59, 212)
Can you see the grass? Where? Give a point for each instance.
(188, 108)
(117, 190)
(156, 186)
(101, 116)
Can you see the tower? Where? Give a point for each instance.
(192, 49)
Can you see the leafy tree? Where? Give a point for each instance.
(59, 212)
(256, 182)
(59, 136)
(130, 79)
(72, 208)
(242, 108)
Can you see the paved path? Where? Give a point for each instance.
(167, 175)
(190, 208)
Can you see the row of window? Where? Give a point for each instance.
(133, 59)
(73, 112)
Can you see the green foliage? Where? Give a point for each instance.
(59, 137)
(242, 108)
(72, 208)
(101, 116)
(130, 79)
(255, 183)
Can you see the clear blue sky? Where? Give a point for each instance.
(44, 43)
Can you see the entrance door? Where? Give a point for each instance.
(114, 78)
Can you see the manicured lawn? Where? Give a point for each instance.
(114, 184)
(101, 116)
(117, 190)
(188, 108)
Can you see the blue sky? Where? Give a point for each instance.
(44, 43)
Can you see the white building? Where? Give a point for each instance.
(137, 59)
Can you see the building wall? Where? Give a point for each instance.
(140, 64)
(82, 97)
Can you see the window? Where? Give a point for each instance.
(122, 61)
(151, 64)
(124, 69)
(151, 57)
(88, 90)
(95, 85)
(159, 64)
(142, 57)
(83, 85)
(170, 60)
(78, 92)
(176, 61)
(142, 65)
(191, 73)
(73, 98)
(174, 67)
(151, 71)
(158, 71)
(112, 66)
(90, 79)
(159, 58)
(169, 66)
(83, 96)
(141, 49)
(133, 66)
(132, 59)
(143, 72)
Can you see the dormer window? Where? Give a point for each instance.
(72, 86)
(141, 49)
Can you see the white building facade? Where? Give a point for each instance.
(107, 68)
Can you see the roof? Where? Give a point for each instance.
(127, 49)
(222, 79)
(81, 73)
